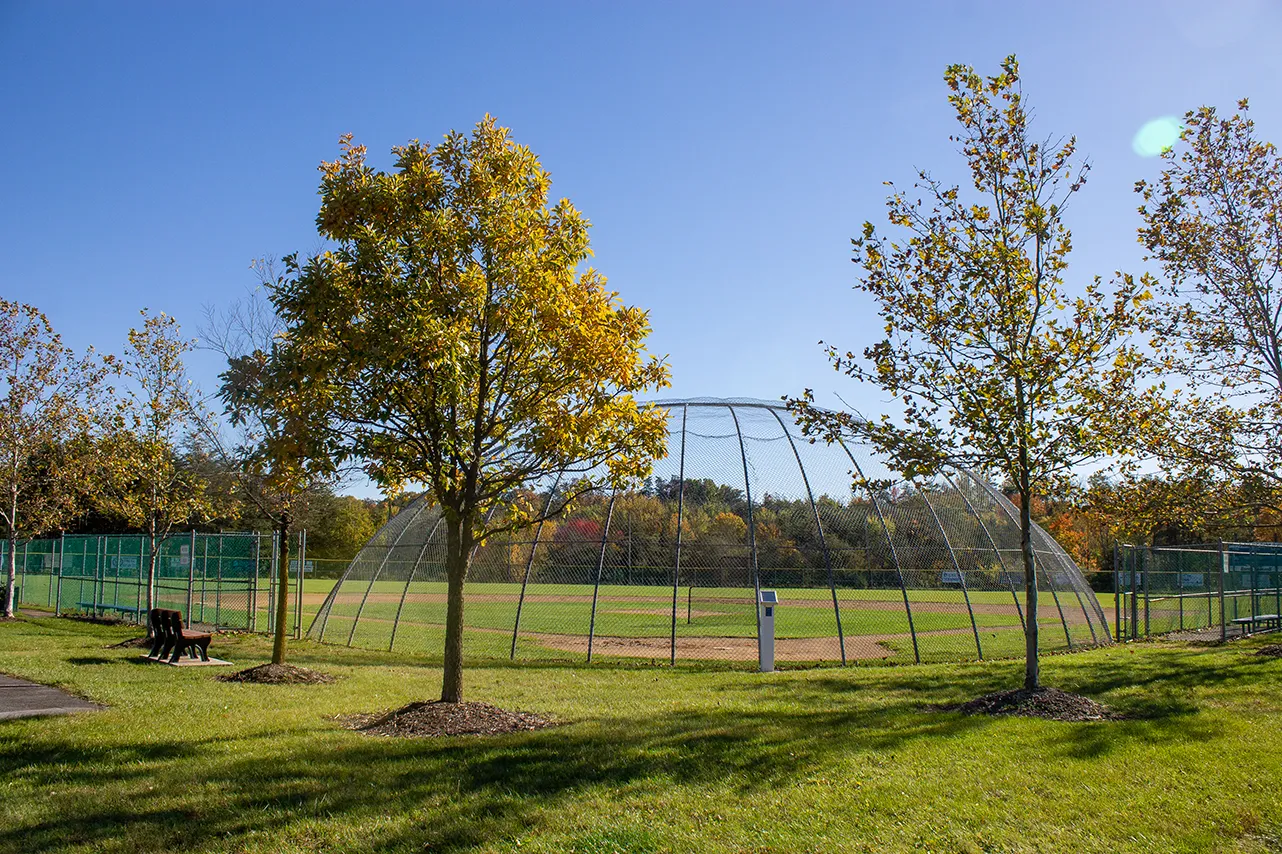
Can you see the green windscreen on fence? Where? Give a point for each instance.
(1227, 588)
(221, 580)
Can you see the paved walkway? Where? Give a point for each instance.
(21, 699)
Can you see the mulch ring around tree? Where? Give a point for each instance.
(278, 674)
(434, 719)
(1273, 650)
(1047, 703)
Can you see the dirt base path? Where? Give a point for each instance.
(827, 648)
(663, 604)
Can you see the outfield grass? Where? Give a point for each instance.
(564, 606)
(650, 759)
(873, 620)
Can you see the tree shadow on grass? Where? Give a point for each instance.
(472, 790)
(91, 659)
(152, 794)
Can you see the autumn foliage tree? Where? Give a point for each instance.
(143, 476)
(280, 448)
(46, 396)
(997, 363)
(454, 339)
(1213, 219)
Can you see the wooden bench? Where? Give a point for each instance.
(1259, 622)
(170, 639)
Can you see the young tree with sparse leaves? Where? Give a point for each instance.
(998, 364)
(144, 479)
(454, 340)
(46, 399)
(1213, 219)
(281, 451)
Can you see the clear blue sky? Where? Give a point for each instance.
(725, 152)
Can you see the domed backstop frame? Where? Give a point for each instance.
(868, 566)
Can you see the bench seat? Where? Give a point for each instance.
(103, 606)
(1262, 620)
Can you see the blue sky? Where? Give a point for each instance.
(725, 152)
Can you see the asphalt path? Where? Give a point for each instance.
(22, 699)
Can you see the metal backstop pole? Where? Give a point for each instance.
(600, 567)
(676, 560)
(525, 579)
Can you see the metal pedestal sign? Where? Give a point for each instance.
(767, 601)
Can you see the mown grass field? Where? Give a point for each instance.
(649, 759)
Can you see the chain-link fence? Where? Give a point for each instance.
(224, 580)
(867, 566)
(1225, 589)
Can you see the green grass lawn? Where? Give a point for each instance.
(650, 759)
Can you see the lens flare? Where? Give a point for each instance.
(1156, 136)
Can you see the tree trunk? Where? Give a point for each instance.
(11, 558)
(457, 547)
(11, 574)
(151, 579)
(1032, 668)
(282, 592)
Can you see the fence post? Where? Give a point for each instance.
(272, 585)
(1179, 586)
(100, 560)
(1145, 581)
(1133, 623)
(218, 582)
(115, 571)
(84, 553)
(1255, 591)
(1224, 570)
(302, 570)
(1210, 603)
(23, 574)
(253, 608)
(204, 573)
(141, 542)
(191, 571)
(1117, 593)
(57, 604)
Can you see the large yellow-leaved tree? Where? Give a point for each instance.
(454, 338)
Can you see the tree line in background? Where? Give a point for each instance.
(452, 336)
